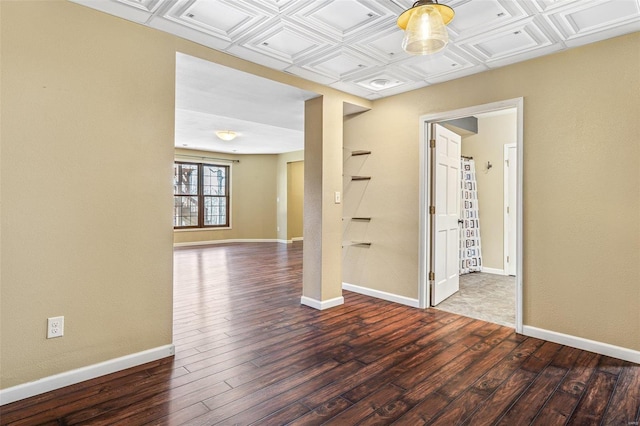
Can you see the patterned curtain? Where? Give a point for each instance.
(470, 248)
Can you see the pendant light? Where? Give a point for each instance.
(424, 25)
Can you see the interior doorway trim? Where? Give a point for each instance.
(425, 184)
(507, 230)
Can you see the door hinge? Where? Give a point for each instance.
(508, 259)
(432, 209)
(432, 276)
(507, 161)
(432, 143)
(507, 209)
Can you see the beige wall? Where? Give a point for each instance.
(312, 255)
(283, 160)
(253, 199)
(295, 199)
(581, 187)
(87, 130)
(87, 135)
(494, 132)
(355, 203)
(323, 127)
(390, 198)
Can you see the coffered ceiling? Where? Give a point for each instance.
(350, 45)
(354, 45)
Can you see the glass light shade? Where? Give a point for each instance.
(426, 32)
(226, 135)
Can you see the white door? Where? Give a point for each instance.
(445, 164)
(510, 217)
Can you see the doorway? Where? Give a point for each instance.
(428, 270)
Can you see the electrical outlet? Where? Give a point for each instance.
(55, 327)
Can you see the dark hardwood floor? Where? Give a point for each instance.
(248, 353)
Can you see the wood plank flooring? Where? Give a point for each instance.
(248, 353)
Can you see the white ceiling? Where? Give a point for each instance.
(268, 116)
(351, 45)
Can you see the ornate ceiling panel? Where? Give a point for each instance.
(354, 45)
(350, 45)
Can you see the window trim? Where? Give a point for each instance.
(201, 197)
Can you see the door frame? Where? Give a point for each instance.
(506, 229)
(425, 190)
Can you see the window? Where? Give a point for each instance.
(200, 195)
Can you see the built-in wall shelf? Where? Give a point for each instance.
(356, 244)
(357, 152)
(353, 228)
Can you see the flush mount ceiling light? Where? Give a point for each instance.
(226, 135)
(424, 25)
(380, 83)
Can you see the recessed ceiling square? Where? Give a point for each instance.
(343, 15)
(215, 15)
(288, 43)
(389, 46)
(476, 15)
(339, 65)
(506, 43)
(437, 65)
(603, 14)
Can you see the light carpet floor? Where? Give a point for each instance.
(486, 297)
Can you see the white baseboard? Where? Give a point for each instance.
(584, 344)
(291, 241)
(381, 295)
(57, 381)
(322, 305)
(235, 240)
(493, 271)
